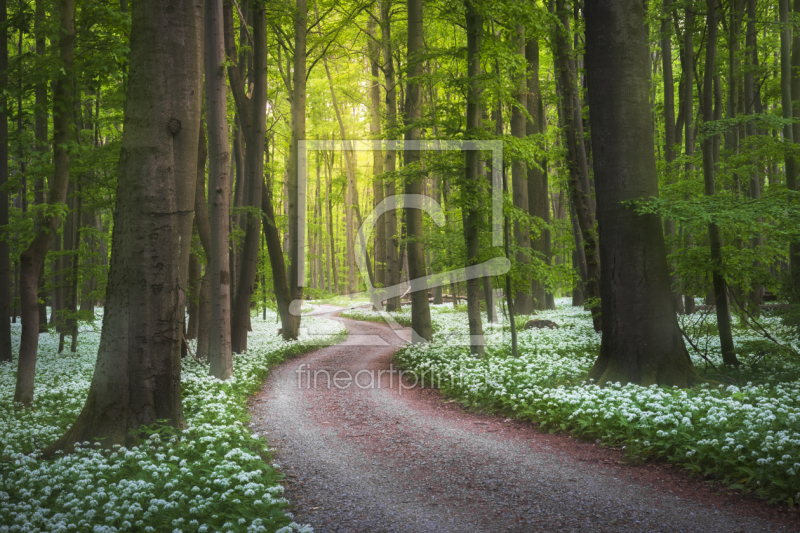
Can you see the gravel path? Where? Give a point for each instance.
(385, 459)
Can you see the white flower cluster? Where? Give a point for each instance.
(210, 477)
(746, 435)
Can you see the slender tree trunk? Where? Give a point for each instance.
(523, 301)
(40, 132)
(669, 142)
(377, 155)
(688, 113)
(420, 307)
(253, 118)
(579, 196)
(788, 133)
(137, 379)
(751, 59)
(538, 200)
(641, 340)
(32, 258)
(219, 180)
(298, 133)
(472, 190)
(332, 262)
(194, 297)
(392, 244)
(203, 225)
(5, 262)
(720, 292)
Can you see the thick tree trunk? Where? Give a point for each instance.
(392, 244)
(32, 259)
(472, 190)
(5, 262)
(715, 240)
(579, 196)
(420, 307)
(137, 377)
(203, 225)
(538, 195)
(219, 181)
(641, 340)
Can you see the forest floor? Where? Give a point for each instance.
(382, 458)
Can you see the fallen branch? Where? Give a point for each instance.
(765, 332)
(188, 349)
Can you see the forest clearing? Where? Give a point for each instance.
(372, 265)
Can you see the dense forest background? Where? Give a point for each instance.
(720, 78)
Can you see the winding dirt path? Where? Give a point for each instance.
(385, 459)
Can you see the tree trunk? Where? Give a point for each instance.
(296, 278)
(420, 307)
(641, 340)
(579, 196)
(32, 259)
(390, 218)
(751, 60)
(219, 192)
(138, 373)
(715, 240)
(669, 142)
(472, 190)
(40, 132)
(332, 262)
(253, 118)
(688, 113)
(788, 130)
(377, 155)
(193, 297)
(5, 261)
(523, 301)
(538, 196)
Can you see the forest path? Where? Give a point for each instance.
(385, 459)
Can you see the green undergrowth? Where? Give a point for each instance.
(215, 475)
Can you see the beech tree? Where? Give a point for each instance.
(137, 377)
(641, 341)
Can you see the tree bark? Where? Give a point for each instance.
(253, 118)
(373, 48)
(751, 61)
(40, 132)
(669, 142)
(715, 240)
(641, 340)
(579, 196)
(390, 162)
(523, 301)
(219, 192)
(420, 307)
(137, 377)
(688, 113)
(5, 261)
(787, 93)
(538, 195)
(472, 193)
(33, 257)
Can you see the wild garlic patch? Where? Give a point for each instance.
(748, 436)
(214, 476)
